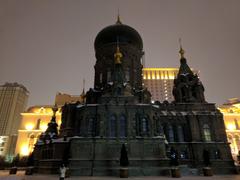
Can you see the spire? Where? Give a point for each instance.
(83, 91)
(181, 51)
(184, 68)
(118, 18)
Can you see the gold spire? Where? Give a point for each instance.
(118, 56)
(118, 18)
(181, 51)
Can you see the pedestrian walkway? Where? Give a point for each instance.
(4, 175)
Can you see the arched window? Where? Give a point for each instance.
(109, 76)
(90, 126)
(206, 132)
(112, 126)
(127, 74)
(100, 77)
(144, 125)
(123, 126)
(160, 130)
(32, 140)
(170, 133)
(180, 133)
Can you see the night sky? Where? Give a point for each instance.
(47, 45)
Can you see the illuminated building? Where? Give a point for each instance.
(34, 122)
(13, 101)
(159, 81)
(231, 113)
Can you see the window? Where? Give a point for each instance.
(206, 132)
(90, 126)
(100, 77)
(108, 76)
(144, 125)
(236, 124)
(180, 133)
(170, 133)
(123, 126)
(237, 141)
(127, 75)
(112, 126)
(160, 130)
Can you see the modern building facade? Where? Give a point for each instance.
(34, 122)
(13, 101)
(159, 81)
(118, 110)
(231, 113)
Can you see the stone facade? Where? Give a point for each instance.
(118, 111)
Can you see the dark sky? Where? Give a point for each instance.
(47, 45)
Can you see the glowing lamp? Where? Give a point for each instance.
(231, 127)
(29, 127)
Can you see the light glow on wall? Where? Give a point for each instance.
(24, 150)
(231, 127)
(29, 126)
(43, 127)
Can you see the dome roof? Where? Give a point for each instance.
(121, 32)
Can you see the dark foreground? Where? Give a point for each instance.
(4, 175)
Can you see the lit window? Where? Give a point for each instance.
(206, 132)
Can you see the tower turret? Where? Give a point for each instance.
(187, 86)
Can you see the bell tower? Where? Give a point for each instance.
(187, 86)
(130, 43)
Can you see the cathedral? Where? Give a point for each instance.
(118, 110)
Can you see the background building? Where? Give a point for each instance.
(34, 121)
(62, 98)
(159, 81)
(231, 113)
(13, 101)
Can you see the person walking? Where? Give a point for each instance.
(62, 172)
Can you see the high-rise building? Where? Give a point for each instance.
(159, 81)
(13, 101)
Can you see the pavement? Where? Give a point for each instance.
(4, 175)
